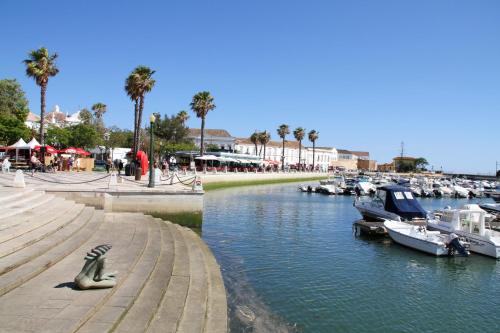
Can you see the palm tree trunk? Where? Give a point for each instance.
(283, 156)
(202, 136)
(43, 90)
(314, 151)
(300, 149)
(136, 116)
(260, 150)
(255, 148)
(264, 157)
(139, 120)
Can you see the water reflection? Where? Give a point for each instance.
(291, 263)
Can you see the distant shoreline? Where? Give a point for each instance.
(217, 182)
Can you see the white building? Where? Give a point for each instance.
(218, 137)
(323, 155)
(54, 118)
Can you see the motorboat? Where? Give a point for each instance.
(307, 189)
(366, 188)
(419, 238)
(471, 225)
(326, 189)
(492, 208)
(392, 202)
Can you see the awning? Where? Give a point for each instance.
(33, 143)
(207, 158)
(69, 150)
(48, 149)
(80, 151)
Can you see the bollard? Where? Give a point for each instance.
(138, 173)
(19, 179)
(172, 178)
(112, 179)
(197, 184)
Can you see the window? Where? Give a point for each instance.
(408, 195)
(399, 195)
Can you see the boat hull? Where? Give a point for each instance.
(477, 243)
(416, 243)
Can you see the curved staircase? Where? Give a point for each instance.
(168, 279)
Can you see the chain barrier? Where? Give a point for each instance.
(67, 183)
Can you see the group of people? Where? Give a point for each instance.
(57, 163)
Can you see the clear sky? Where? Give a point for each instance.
(365, 74)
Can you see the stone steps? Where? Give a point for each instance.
(30, 200)
(32, 218)
(27, 236)
(168, 280)
(12, 194)
(29, 253)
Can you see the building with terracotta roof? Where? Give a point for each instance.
(219, 137)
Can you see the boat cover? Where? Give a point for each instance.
(399, 200)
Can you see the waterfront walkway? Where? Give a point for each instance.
(168, 279)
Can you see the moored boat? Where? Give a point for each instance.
(471, 225)
(419, 238)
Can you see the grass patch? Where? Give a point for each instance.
(186, 219)
(238, 183)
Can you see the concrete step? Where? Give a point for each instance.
(27, 254)
(14, 278)
(29, 201)
(135, 315)
(217, 319)
(50, 300)
(31, 236)
(36, 216)
(171, 308)
(12, 194)
(195, 308)
(107, 309)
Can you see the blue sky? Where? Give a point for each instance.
(365, 74)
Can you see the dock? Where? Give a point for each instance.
(362, 227)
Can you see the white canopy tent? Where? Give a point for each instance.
(33, 143)
(20, 144)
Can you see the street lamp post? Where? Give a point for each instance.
(152, 119)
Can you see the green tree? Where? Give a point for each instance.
(84, 136)
(283, 131)
(254, 138)
(41, 65)
(13, 112)
(264, 138)
(86, 116)
(299, 134)
(120, 137)
(201, 104)
(59, 137)
(212, 147)
(421, 163)
(313, 136)
(171, 129)
(138, 83)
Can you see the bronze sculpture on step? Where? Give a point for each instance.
(92, 275)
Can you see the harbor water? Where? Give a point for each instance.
(291, 263)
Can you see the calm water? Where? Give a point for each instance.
(290, 262)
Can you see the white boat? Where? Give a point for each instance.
(307, 189)
(391, 202)
(419, 238)
(471, 225)
(326, 189)
(366, 188)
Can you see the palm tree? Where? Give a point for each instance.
(283, 130)
(201, 104)
(99, 110)
(183, 117)
(255, 139)
(131, 90)
(139, 82)
(264, 138)
(40, 66)
(299, 133)
(313, 136)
